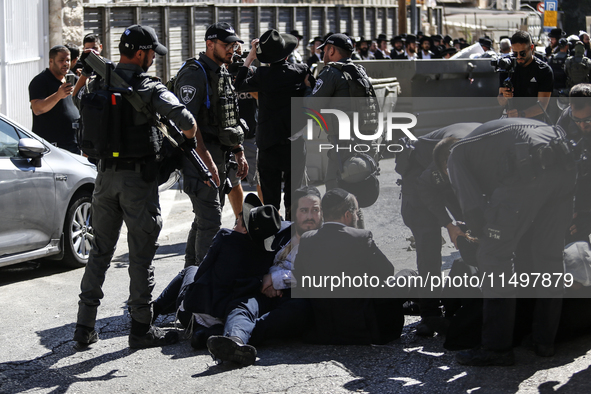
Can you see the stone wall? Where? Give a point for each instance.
(66, 22)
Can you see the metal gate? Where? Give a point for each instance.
(181, 27)
(23, 54)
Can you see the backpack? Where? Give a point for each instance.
(171, 82)
(102, 109)
(359, 87)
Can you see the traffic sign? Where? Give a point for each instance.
(540, 7)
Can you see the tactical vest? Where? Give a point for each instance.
(112, 128)
(139, 137)
(577, 71)
(223, 111)
(359, 87)
(556, 62)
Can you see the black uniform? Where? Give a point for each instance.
(557, 63)
(425, 195)
(201, 90)
(516, 200)
(126, 190)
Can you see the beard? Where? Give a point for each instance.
(364, 51)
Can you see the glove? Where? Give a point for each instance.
(86, 70)
(191, 142)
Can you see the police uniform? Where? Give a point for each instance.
(557, 63)
(577, 67)
(516, 195)
(425, 197)
(126, 190)
(207, 91)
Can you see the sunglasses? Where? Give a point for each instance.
(231, 46)
(520, 53)
(586, 120)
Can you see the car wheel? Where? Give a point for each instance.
(78, 232)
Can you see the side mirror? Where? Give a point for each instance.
(31, 149)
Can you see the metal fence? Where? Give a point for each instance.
(181, 27)
(23, 51)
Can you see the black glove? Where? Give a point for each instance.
(86, 69)
(191, 142)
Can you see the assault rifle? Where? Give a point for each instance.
(170, 130)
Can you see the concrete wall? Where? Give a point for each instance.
(66, 22)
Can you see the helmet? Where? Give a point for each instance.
(359, 177)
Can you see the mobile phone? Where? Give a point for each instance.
(71, 79)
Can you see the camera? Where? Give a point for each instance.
(71, 79)
(504, 64)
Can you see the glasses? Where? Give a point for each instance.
(586, 120)
(231, 46)
(520, 53)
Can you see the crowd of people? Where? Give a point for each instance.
(511, 193)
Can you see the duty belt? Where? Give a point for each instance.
(137, 165)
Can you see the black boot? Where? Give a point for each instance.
(144, 336)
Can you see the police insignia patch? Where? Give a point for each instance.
(170, 98)
(187, 93)
(317, 86)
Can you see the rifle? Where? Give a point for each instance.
(170, 130)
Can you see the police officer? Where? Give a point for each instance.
(557, 61)
(532, 82)
(577, 67)
(576, 121)
(426, 193)
(333, 83)
(126, 190)
(205, 87)
(515, 188)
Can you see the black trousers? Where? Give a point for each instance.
(281, 163)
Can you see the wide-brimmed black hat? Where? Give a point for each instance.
(556, 33)
(397, 39)
(381, 37)
(274, 46)
(262, 221)
(452, 51)
(411, 38)
(485, 41)
(426, 38)
(296, 33)
(447, 39)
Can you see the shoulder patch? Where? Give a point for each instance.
(169, 97)
(187, 93)
(317, 86)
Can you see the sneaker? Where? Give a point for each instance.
(154, 338)
(231, 349)
(84, 336)
(483, 357)
(423, 330)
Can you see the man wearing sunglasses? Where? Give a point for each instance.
(205, 87)
(532, 81)
(576, 121)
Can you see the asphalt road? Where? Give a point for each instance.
(38, 312)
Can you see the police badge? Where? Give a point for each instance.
(187, 93)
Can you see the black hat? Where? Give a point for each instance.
(262, 221)
(296, 33)
(397, 39)
(222, 31)
(381, 37)
(426, 38)
(437, 37)
(312, 41)
(305, 191)
(556, 33)
(274, 47)
(451, 50)
(486, 42)
(411, 38)
(339, 40)
(361, 39)
(447, 39)
(142, 37)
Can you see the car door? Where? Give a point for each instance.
(27, 197)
